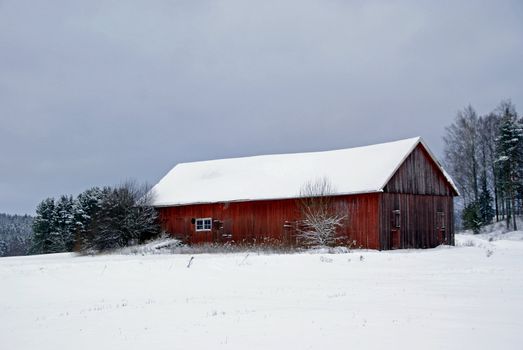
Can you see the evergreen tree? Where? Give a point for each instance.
(143, 220)
(44, 227)
(122, 217)
(3, 248)
(110, 229)
(486, 212)
(86, 211)
(63, 237)
(98, 219)
(509, 160)
(53, 227)
(471, 217)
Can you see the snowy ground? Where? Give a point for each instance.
(464, 297)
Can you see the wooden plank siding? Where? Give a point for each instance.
(419, 175)
(418, 215)
(419, 191)
(270, 221)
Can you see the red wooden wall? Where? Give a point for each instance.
(270, 221)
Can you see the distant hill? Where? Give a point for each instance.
(15, 234)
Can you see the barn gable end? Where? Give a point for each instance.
(416, 206)
(419, 174)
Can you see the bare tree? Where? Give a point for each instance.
(462, 153)
(320, 217)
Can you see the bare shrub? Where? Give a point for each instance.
(320, 219)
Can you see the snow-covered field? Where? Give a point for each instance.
(464, 297)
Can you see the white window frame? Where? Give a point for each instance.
(203, 221)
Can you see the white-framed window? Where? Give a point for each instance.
(203, 224)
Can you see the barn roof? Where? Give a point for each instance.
(350, 171)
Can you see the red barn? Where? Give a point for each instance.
(395, 195)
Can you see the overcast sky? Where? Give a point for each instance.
(95, 92)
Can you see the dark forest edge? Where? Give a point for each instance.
(484, 156)
(16, 232)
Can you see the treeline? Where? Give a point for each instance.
(15, 234)
(484, 155)
(97, 219)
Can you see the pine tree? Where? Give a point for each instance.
(486, 212)
(509, 160)
(98, 219)
(110, 231)
(471, 217)
(123, 217)
(44, 227)
(53, 227)
(3, 248)
(86, 211)
(63, 237)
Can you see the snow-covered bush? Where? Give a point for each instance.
(320, 219)
(471, 217)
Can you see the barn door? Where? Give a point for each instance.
(441, 228)
(395, 234)
(221, 231)
(226, 231)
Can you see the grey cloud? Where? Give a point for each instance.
(94, 92)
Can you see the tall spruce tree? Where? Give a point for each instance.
(509, 160)
(486, 212)
(86, 210)
(123, 216)
(44, 227)
(471, 217)
(65, 224)
(3, 247)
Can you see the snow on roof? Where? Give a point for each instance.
(354, 170)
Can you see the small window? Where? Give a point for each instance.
(204, 224)
(396, 219)
(441, 220)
